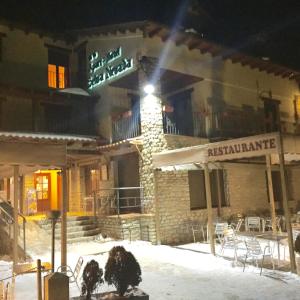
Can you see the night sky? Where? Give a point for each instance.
(264, 28)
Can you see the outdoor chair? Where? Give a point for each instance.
(268, 224)
(199, 228)
(255, 252)
(219, 231)
(72, 274)
(253, 223)
(230, 241)
(237, 226)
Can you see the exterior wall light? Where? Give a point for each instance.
(149, 89)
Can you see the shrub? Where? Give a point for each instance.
(122, 270)
(91, 278)
(297, 244)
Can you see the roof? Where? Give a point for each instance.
(194, 42)
(46, 137)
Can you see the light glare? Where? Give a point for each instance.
(149, 89)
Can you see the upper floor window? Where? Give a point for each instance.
(58, 67)
(272, 115)
(1, 45)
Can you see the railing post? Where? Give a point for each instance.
(118, 202)
(95, 205)
(39, 279)
(24, 238)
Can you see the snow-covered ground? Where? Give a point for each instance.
(187, 272)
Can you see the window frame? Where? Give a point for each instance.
(200, 198)
(60, 58)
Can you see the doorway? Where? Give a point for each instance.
(42, 183)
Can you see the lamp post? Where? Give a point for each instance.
(53, 215)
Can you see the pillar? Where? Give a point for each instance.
(271, 193)
(16, 211)
(153, 138)
(64, 206)
(209, 210)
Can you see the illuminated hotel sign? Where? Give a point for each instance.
(107, 67)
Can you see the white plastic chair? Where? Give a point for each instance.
(253, 223)
(255, 252)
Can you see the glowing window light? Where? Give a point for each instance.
(52, 76)
(61, 77)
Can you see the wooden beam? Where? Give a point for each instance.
(219, 193)
(16, 211)
(180, 39)
(271, 193)
(64, 205)
(154, 31)
(193, 44)
(204, 46)
(209, 210)
(286, 208)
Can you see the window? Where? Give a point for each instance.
(58, 67)
(197, 189)
(277, 190)
(272, 117)
(0, 48)
(181, 116)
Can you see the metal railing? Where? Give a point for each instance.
(8, 220)
(230, 123)
(126, 127)
(118, 200)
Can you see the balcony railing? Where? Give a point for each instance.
(126, 127)
(231, 123)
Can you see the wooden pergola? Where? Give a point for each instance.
(269, 146)
(23, 153)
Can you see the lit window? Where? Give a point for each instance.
(52, 76)
(56, 76)
(58, 67)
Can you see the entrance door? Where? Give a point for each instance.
(42, 184)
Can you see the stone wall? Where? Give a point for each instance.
(180, 141)
(245, 189)
(174, 207)
(129, 227)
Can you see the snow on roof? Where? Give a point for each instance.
(75, 91)
(47, 136)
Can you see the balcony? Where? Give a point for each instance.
(126, 126)
(232, 123)
(229, 124)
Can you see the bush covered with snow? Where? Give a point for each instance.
(122, 270)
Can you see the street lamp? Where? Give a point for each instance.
(53, 215)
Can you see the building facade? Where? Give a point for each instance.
(91, 83)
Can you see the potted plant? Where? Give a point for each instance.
(122, 270)
(91, 278)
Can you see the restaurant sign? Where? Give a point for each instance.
(244, 147)
(107, 67)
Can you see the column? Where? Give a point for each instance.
(16, 211)
(153, 138)
(64, 207)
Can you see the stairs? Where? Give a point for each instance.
(79, 229)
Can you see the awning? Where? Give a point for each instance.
(247, 147)
(34, 151)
